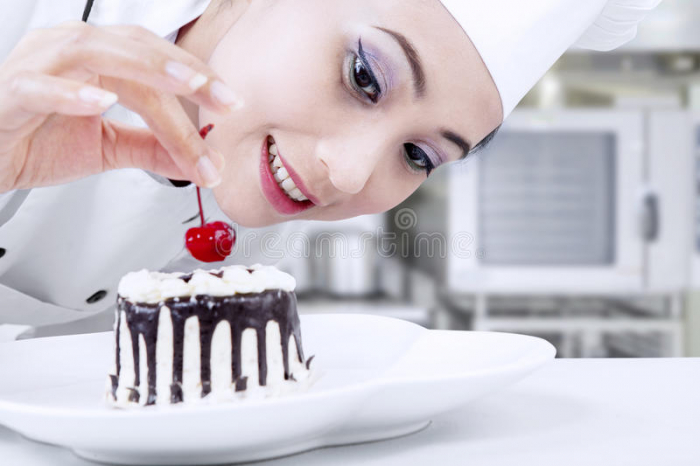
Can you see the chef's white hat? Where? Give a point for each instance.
(519, 40)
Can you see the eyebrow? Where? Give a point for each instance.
(419, 84)
(413, 59)
(460, 141)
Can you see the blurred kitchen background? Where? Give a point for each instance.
(580, 223)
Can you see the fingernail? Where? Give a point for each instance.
(225, 96)
(186, 75)
(99, 97)
(208, 172)
(217, 159)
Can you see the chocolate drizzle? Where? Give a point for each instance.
(134, 396)
(242, 384)
(241, 311)
(115, 383)
(308, 362)
(187, 277)
(175, 392)
(119, 362)
(143, 322)
(115, 378)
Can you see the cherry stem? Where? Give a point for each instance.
(199, 200)
(203, 133)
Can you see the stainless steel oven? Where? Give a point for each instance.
(581, 201)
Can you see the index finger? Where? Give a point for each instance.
(132, 53)
(184, 67)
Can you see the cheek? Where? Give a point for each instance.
(388, 187)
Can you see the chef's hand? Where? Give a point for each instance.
(57, 82)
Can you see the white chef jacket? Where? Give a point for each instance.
(66, 247)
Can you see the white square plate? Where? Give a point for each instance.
(378, 378)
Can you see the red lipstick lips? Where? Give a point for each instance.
(279, 200)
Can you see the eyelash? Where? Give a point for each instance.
(411, 150)
(372, 92)
(359, 63)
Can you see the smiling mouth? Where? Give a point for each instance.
(281, 185)
(281, 175)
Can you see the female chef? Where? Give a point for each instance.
(360, 100)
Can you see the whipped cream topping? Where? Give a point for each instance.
(154, 287)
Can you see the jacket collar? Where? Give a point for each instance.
(162, 17)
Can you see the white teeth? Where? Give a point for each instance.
(282, 175)
(298, 195)
(288, 185)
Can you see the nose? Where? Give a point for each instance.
(351, 161)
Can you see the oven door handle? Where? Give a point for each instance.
(650, 213)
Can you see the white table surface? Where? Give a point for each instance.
(572, 412)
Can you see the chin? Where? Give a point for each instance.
(256, 222)
(250, 218)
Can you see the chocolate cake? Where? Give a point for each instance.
(219, 335)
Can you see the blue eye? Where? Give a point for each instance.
(362, 78)
(417, 159)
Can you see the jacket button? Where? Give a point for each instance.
(96, 297)
(2, 251)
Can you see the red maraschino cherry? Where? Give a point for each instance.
(210, 242)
